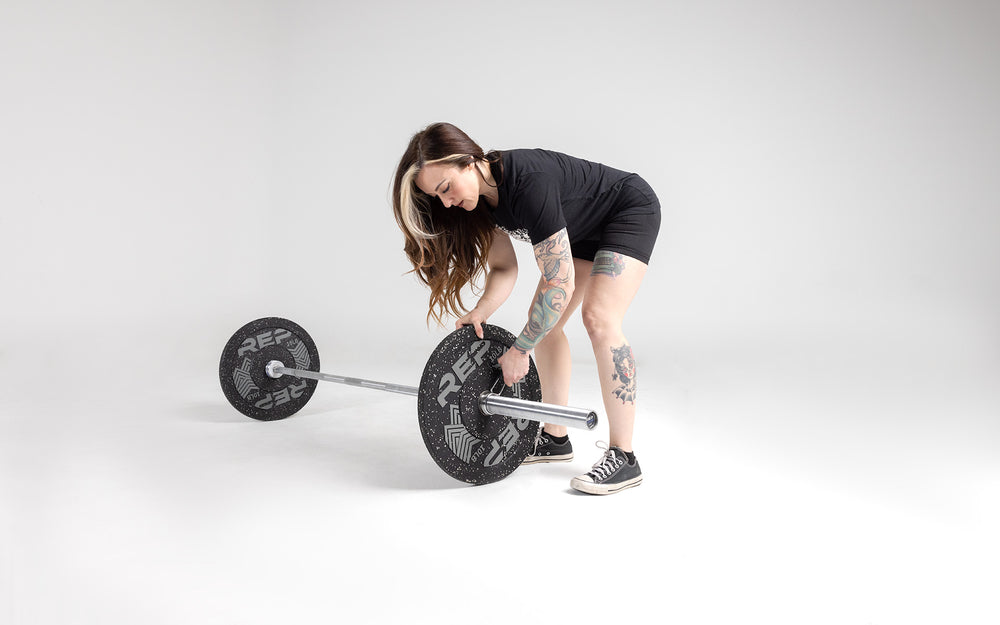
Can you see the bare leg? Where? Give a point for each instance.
(552, 354)
(614, 281)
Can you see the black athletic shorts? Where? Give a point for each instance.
(632, 226)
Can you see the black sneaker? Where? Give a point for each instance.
(547, 450)
(611, 474)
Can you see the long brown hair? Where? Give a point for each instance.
(448, 247)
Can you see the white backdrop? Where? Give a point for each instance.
(821, 169)
(828, 173)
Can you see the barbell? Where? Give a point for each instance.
(476, 429)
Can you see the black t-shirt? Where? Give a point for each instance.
(541, 192)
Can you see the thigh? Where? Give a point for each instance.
(614, 281)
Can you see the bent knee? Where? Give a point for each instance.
(601, 326)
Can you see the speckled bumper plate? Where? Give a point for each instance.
(466, 444)
(242, 368)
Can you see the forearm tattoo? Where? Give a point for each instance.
(556, 263)
(608, 263)
(624, 373)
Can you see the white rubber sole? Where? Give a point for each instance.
(603, 489)
(543, 459)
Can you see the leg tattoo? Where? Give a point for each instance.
(624, 373)
(608, 264)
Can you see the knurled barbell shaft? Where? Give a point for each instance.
(489, 403)
(276, 371)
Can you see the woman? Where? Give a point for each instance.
(592, 229)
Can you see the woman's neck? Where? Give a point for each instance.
(487, 186)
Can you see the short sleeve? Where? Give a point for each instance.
(537, 207)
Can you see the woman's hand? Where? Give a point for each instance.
(474, 318)
(515, 364)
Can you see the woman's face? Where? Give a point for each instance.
(455, 186)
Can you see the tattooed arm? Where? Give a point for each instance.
(554, 291)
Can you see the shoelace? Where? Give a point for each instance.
(606, 465)
(540, 439)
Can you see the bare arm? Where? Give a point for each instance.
(501, 276)
(555, 261)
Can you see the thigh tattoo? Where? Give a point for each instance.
(608, 263)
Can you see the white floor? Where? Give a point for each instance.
(785, 482)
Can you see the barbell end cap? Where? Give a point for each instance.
(592, 421)
(270, 367)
